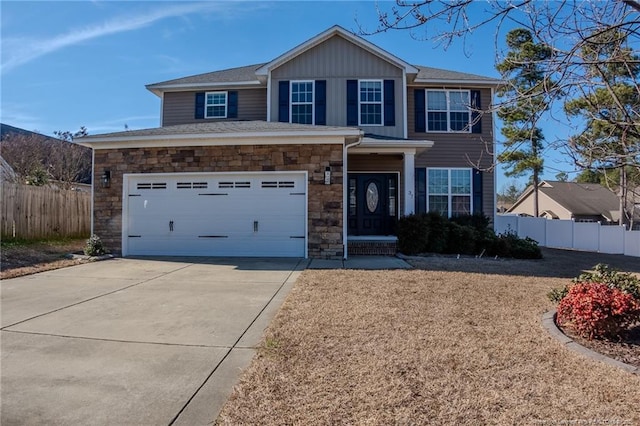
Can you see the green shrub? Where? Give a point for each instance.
(613, 278)
(461, 239)
(412, 232)
(477, 221)
(438, 232)
(603, 274)
(433, 233)
(94, 246)
(558, 293)
(510, 245)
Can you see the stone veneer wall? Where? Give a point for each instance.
(325, 201)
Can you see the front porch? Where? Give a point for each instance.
(379, 189)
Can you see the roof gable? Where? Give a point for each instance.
(334, 31)
(577, 198)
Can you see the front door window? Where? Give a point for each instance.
(372, 197)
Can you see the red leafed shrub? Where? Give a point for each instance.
(595, 310)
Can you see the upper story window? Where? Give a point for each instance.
(448, 111)
(216, 105)
(370, 102)
(302, 101)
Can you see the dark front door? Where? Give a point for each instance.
(373, 203)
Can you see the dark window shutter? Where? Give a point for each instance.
(421, 190)
(352, 102)
(389, 103)
(477, 191)
(421, 110)
(232, 104)
(475, 115)
(199, 105)
(283, 101)
(321, 102)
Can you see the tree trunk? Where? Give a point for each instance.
(536, 180)
(623, 196)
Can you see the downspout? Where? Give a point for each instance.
(345, 199)
(493, 160)
(93, 183)
(269, 95)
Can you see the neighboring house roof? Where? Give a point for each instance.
(253, 75)
(581, 199)
(6, 130)
(7, 174)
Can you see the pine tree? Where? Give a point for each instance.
(610, 107)
(525, 98)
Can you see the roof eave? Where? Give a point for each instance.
(158, 89)
(90, 141)
(490, 83)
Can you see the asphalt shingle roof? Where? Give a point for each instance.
(247, 73)
(430, 73)
(231, 75)
(220, 127)
(582, 198)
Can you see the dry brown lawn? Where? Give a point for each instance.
(25, 258)
(460, 342)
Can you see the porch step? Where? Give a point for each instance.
(372, 248)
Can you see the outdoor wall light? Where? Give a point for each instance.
(105, 179)
(327, 175)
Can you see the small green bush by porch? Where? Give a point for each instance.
(470, 235)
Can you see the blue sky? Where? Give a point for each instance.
(71, 64)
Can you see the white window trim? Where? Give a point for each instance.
(449, 193)
(313, 100)
(226, 104)
(381, 102)
(448, 111)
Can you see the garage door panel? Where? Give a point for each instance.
(225, 215)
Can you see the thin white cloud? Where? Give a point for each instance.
(18, 51)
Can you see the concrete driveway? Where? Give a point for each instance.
(134, 341)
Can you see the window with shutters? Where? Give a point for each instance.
(370, 102)
(449, 191)
(215, 105)
(448, 111)
(302, 100)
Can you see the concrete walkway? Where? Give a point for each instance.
(134, 341)
(361, 262)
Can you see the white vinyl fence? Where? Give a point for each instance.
(567, 234)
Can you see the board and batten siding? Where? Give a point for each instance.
(179, 107)
(464, 150)
(337, 60)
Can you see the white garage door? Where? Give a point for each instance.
(219, 214)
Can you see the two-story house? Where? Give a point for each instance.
(327, 144)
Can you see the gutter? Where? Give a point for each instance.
(345, 201)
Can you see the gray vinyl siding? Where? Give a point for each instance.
(179, 107)
(337, 60)
(454, 149)
(464, 150)
(380, 163)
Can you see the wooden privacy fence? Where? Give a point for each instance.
(33, 212)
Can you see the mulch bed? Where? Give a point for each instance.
(626, 350)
